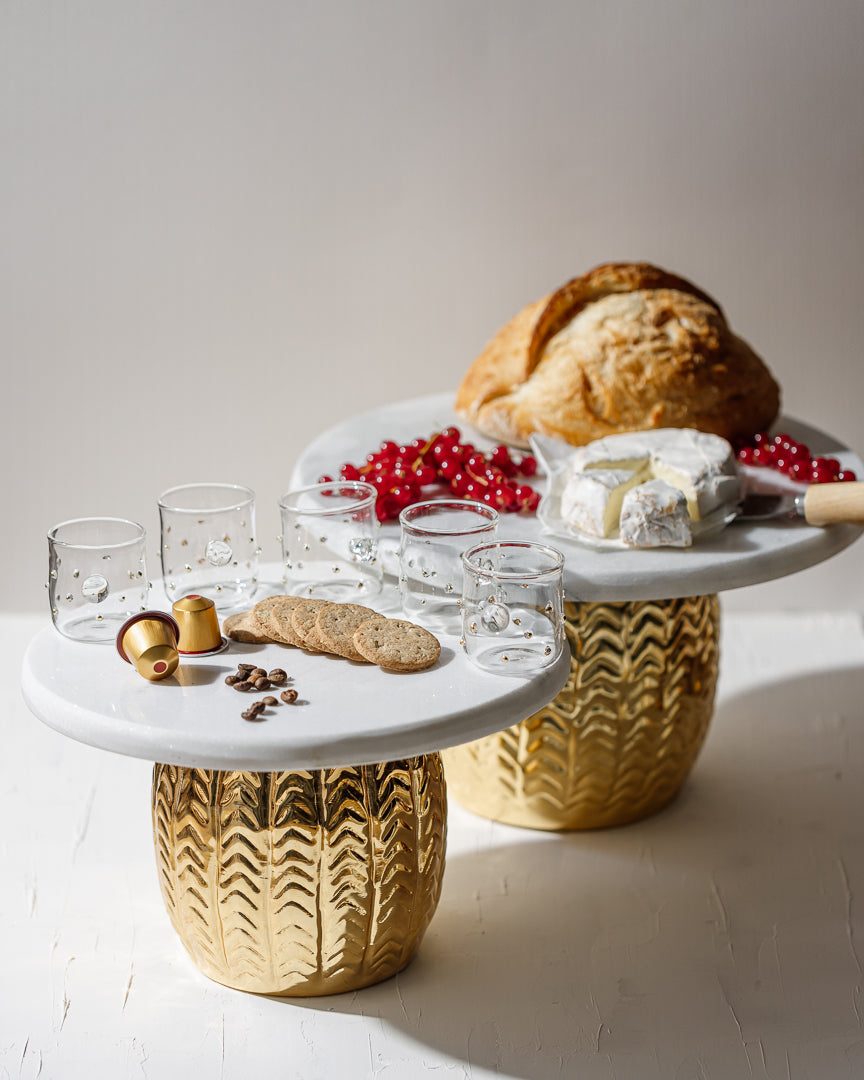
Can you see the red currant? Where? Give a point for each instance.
(400, 472)
(829, 463)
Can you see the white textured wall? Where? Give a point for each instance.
(225, 226)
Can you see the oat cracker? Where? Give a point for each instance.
(243, 626)
(335, 625)
(396, 644)
(303, 618)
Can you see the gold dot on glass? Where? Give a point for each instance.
(76, 573)
(547, 650)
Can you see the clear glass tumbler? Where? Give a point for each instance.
(433, 538)
(97, 576)
(330, 542)
(208, 543)
(513, 606)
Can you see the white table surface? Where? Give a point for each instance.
(742, 554)
(721, 938)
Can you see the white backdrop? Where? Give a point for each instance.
(227, 226)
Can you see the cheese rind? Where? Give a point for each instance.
(654, 514)
(698, 465)
(591, 501)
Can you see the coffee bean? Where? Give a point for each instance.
(277, 676)
(270, 701)
(231, 679)
(243, 685)
(289, 696)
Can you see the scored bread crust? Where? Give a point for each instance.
(625, 347)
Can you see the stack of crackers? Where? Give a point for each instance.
(350, 630)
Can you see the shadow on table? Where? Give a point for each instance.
(719, 934)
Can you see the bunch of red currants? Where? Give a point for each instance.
(791, 457)
(400, 473)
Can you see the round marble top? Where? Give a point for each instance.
(346, 713)
(744, 553)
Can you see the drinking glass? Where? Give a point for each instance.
(208, 543)
(97, 577)
(513, 606)
(330, 542)
(433, 537)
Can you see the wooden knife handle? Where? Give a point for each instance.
(826, 503)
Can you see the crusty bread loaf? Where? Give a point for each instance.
(625, 347)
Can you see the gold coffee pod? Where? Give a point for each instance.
(199, 625)
(148, 641)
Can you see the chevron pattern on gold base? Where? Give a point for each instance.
(620, 739)
(301, 883)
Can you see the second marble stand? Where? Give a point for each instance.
(619, 740)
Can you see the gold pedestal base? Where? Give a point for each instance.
(301, 883)
(621, 737)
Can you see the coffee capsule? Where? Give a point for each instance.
(148, 641)
(199, 626)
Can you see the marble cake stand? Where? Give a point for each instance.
(301, 854)
(622, 736)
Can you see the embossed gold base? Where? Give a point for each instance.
(301, 883)
(620, 739)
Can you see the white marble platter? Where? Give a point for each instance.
(744, 553)
(346, 713)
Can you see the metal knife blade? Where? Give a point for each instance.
(760, 506)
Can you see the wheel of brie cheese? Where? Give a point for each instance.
(649, 488)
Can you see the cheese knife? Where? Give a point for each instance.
(818, 504)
